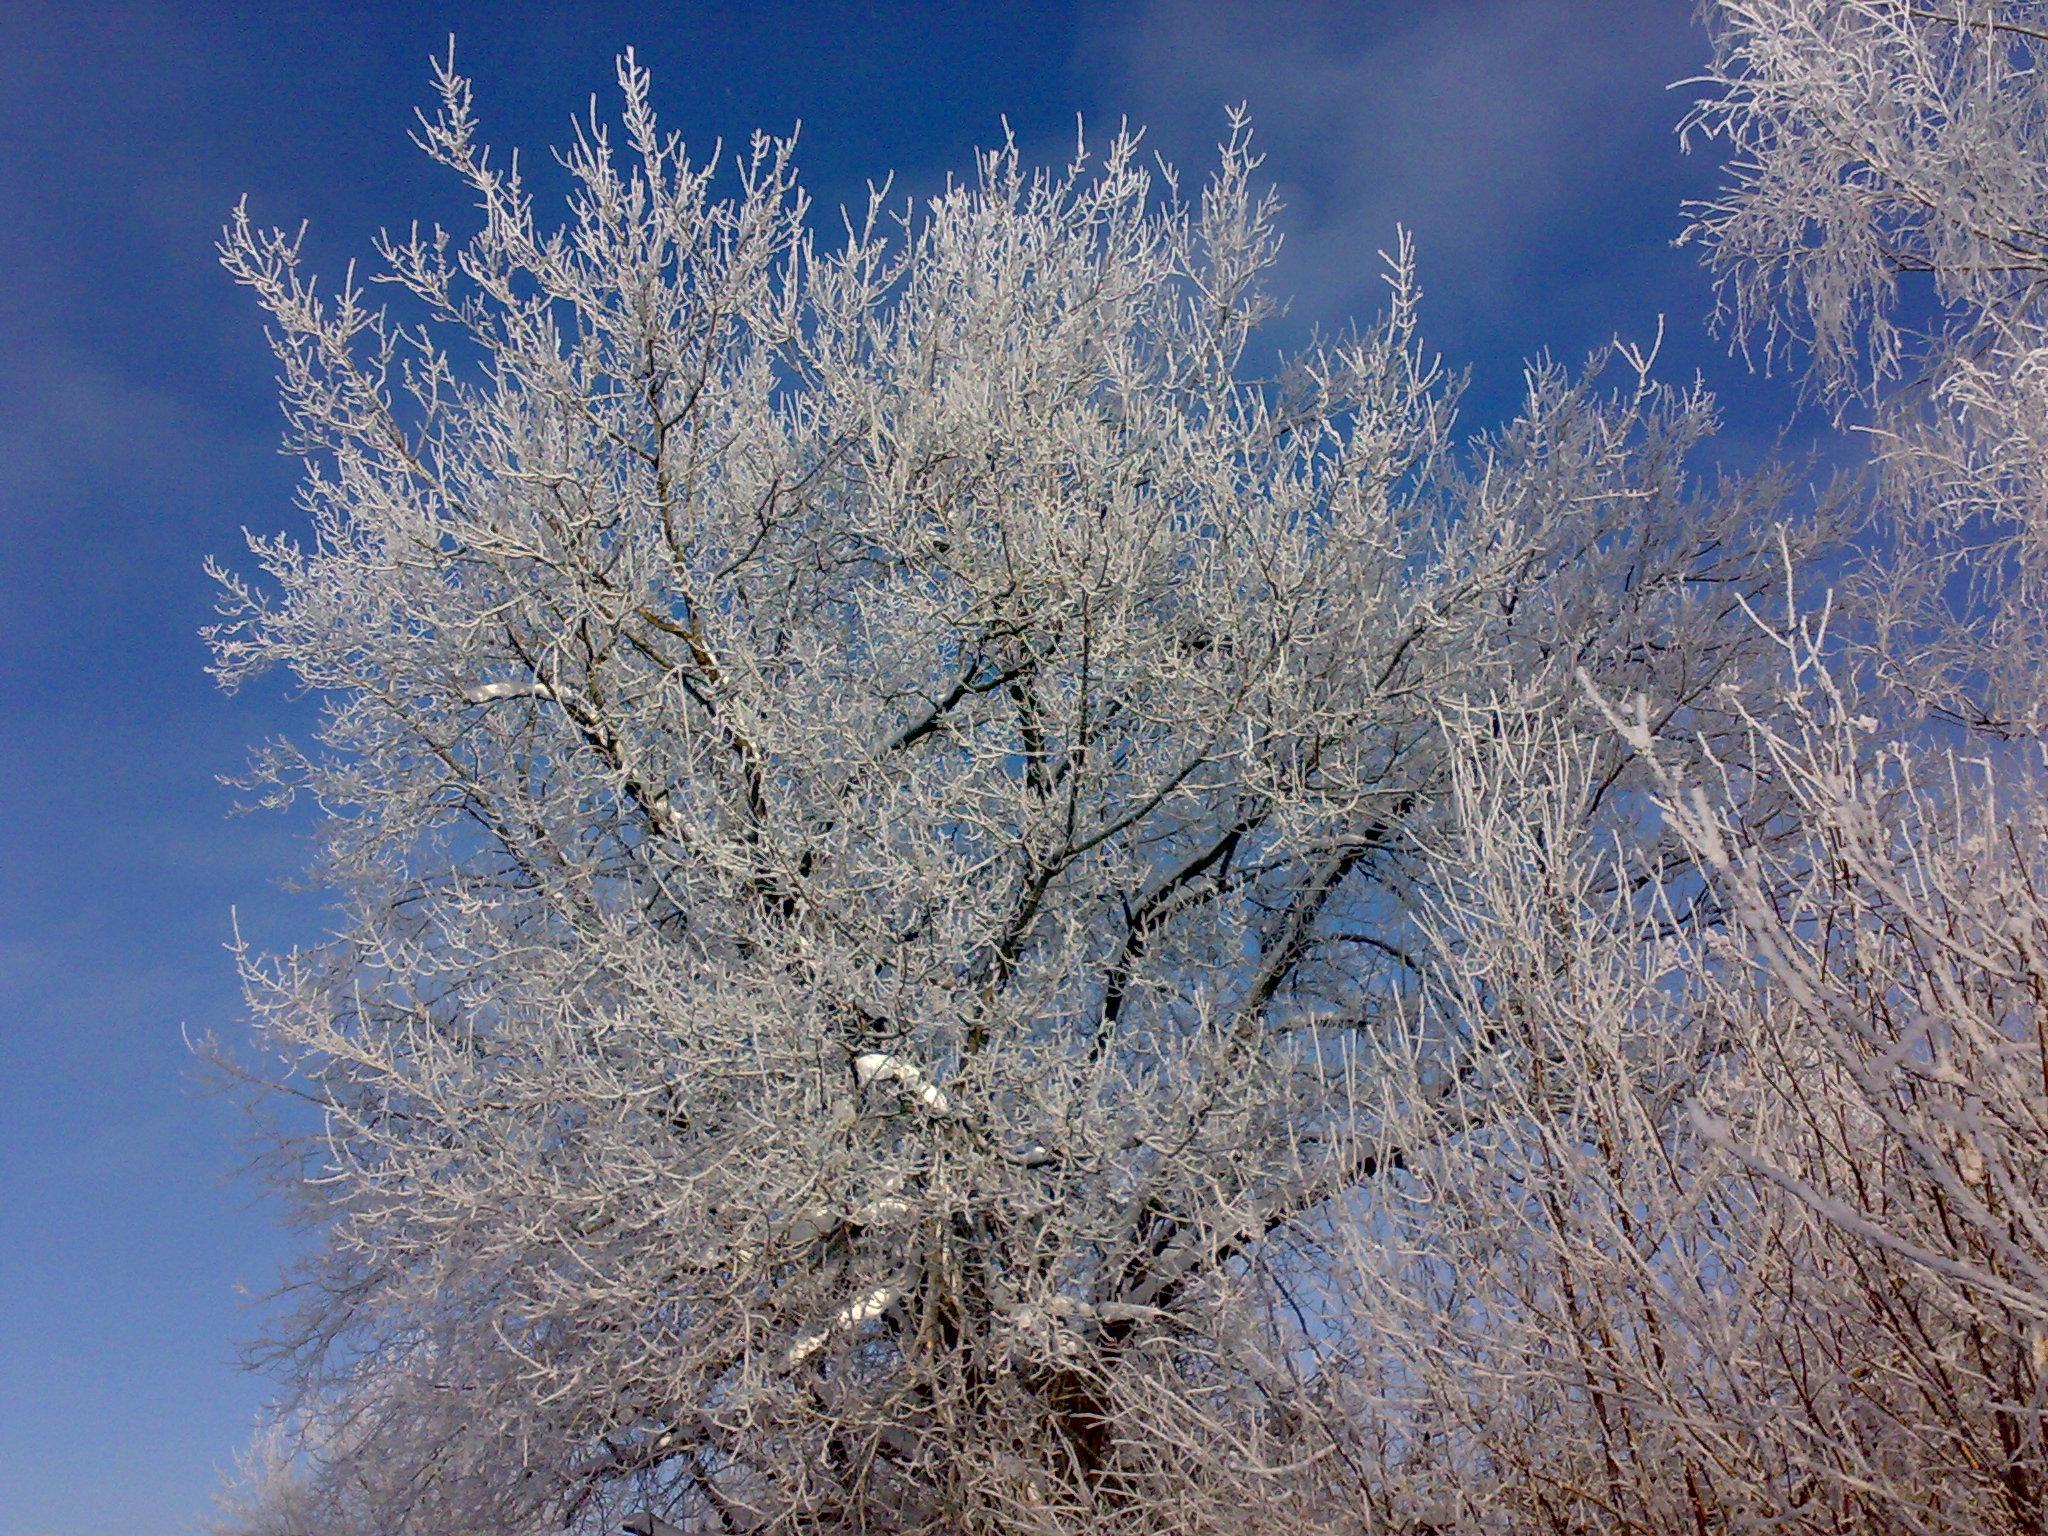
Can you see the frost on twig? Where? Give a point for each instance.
(862, 1310)
(879, 1067)
(491, 693)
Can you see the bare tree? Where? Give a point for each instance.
(886, 803)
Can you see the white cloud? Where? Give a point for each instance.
(1486, 126)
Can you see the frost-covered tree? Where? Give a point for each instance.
(1887, 214)
(886, 801)
(1745, 1229)
(1762, 1243)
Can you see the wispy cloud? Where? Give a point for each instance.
(1495, 130)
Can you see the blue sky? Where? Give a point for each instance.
(1528, 143)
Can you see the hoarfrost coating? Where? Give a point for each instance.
(961, 914)
(1887, 217)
